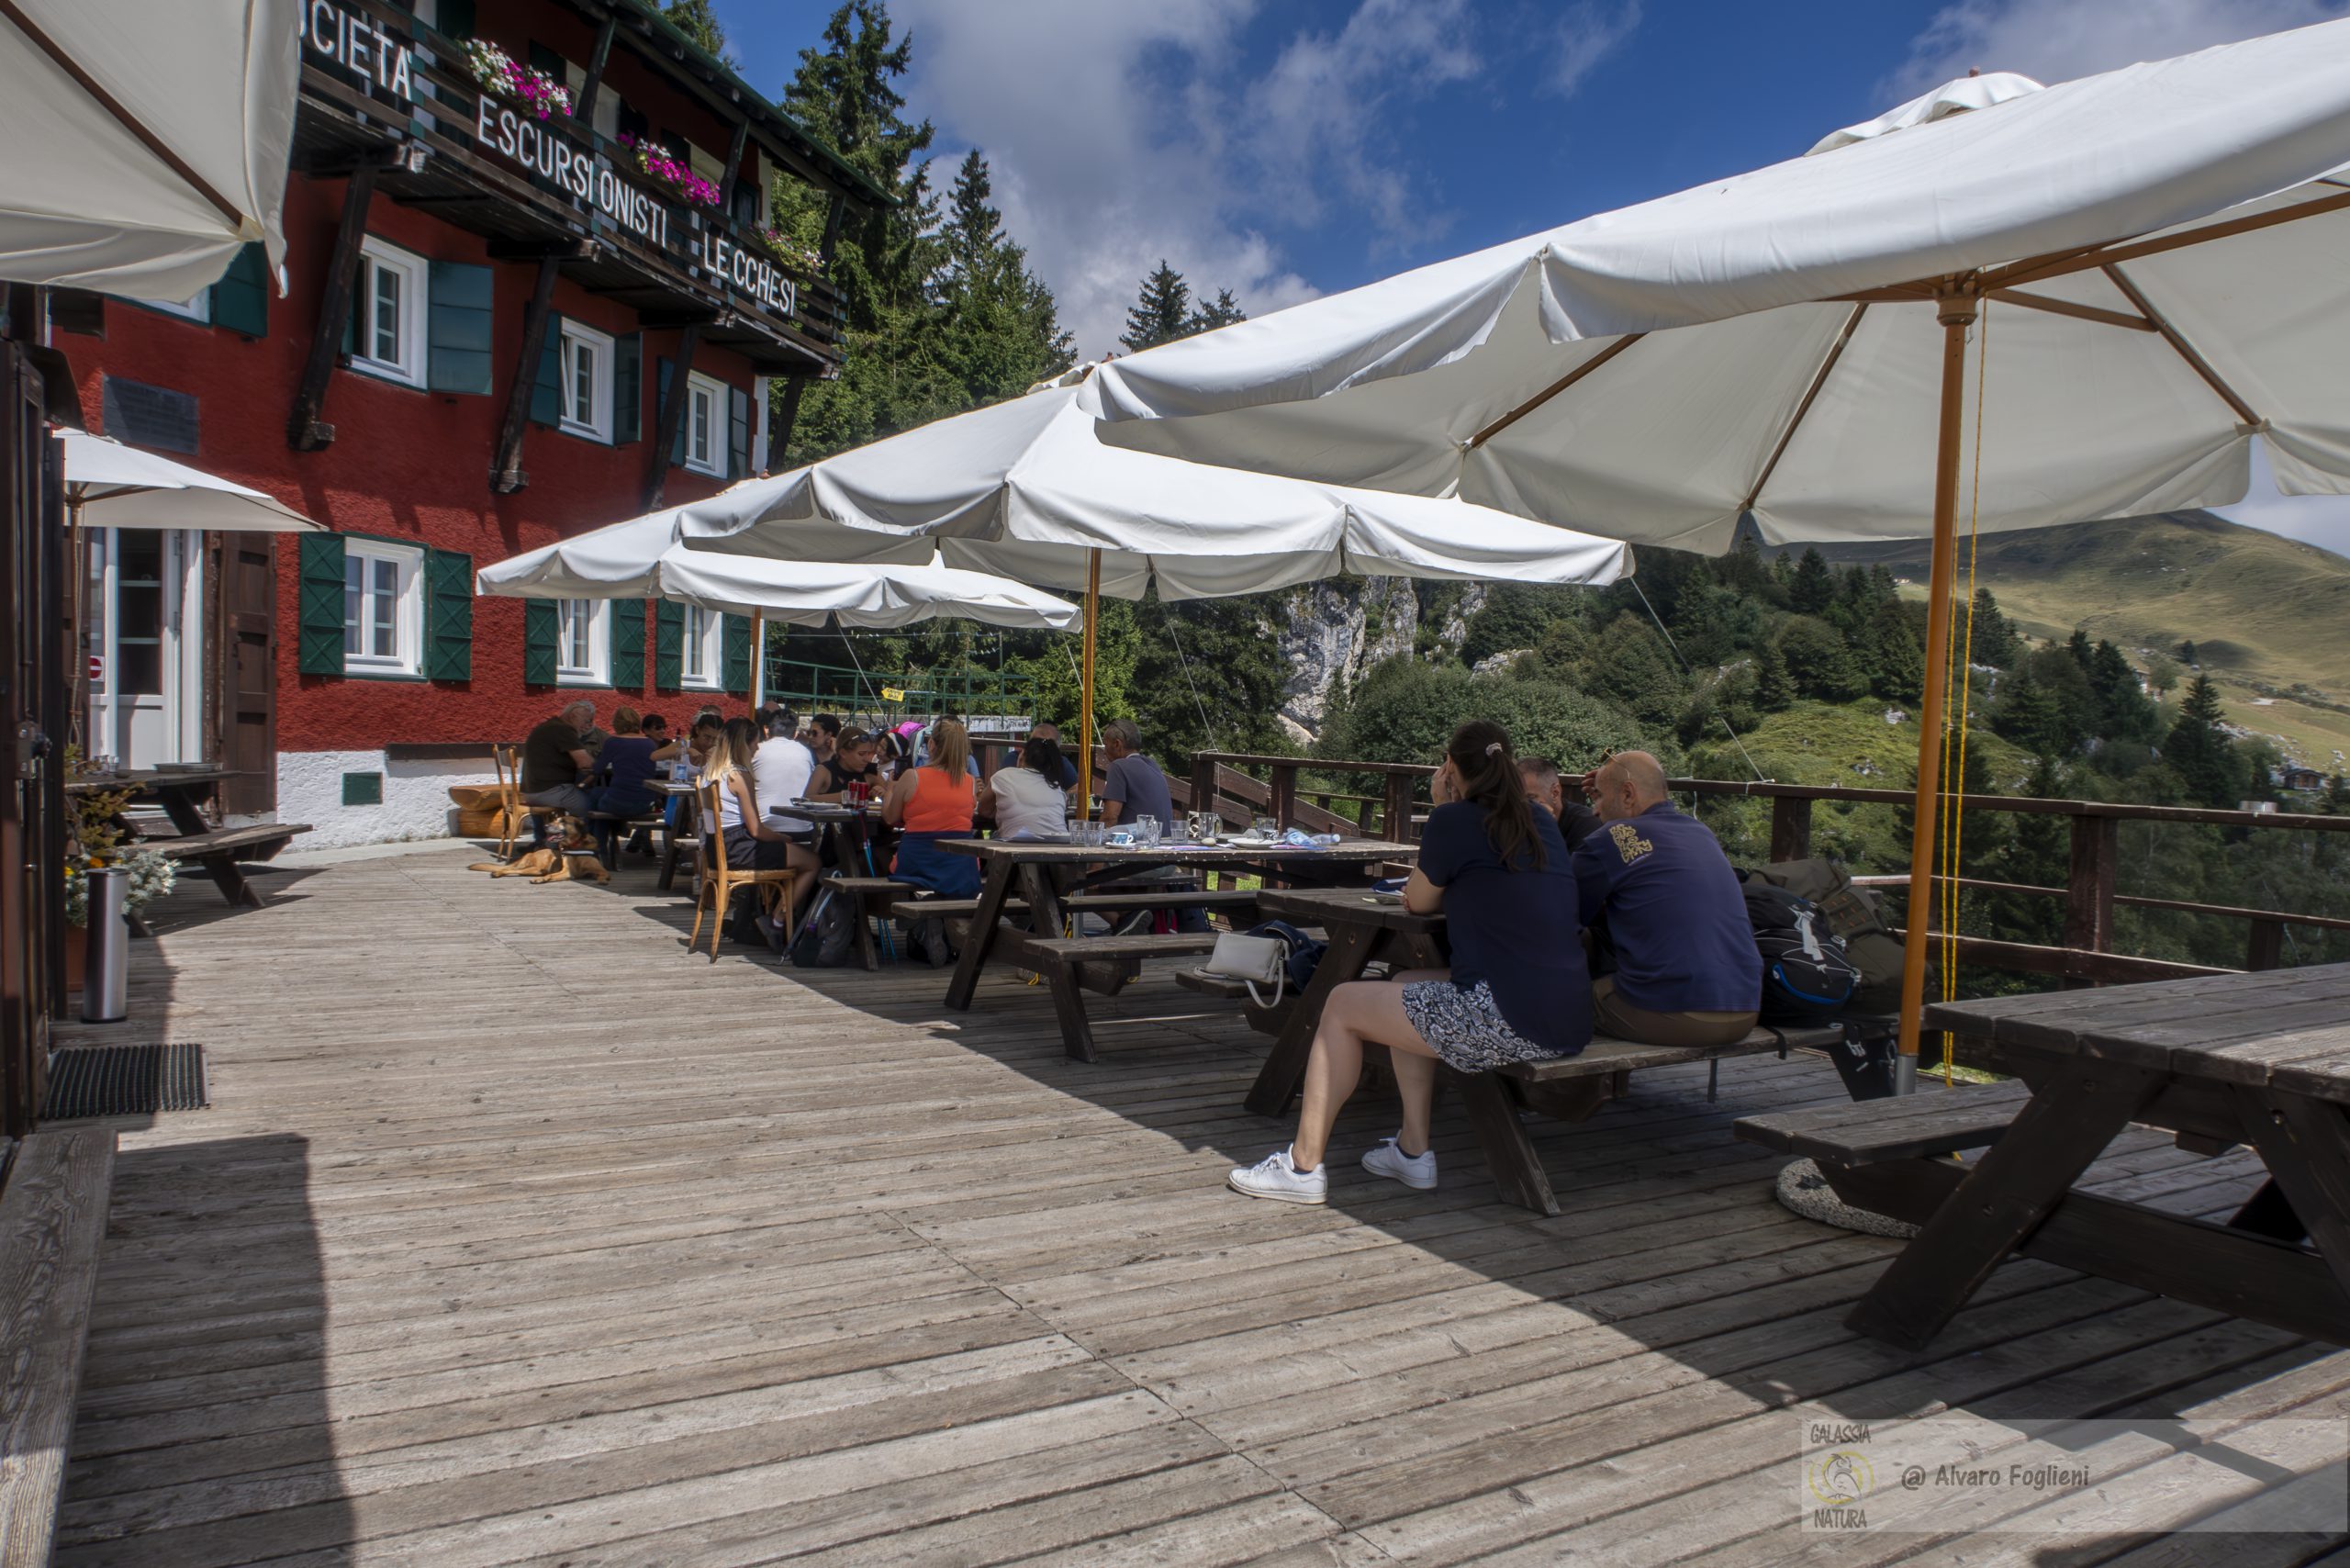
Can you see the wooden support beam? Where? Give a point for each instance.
(2088, 898)
(673, 408)
(584, 110)
(505, 475)
(1790, 827)
(735, 165)
(304, 429)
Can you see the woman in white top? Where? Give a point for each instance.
(1025, 797)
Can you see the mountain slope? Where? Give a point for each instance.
(2259, 608)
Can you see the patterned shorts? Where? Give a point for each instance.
(1466, 1028)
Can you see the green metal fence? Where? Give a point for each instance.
(860, 696)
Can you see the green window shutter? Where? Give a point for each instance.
(628, 389)
(738, 433)
(738, 634)
(546, 392)
(320, 649)
(628, 644)
(541, 628)
(668, 645)
(678, 445)
(350, 318)
(241, 300)
(456, 328)
(447, 615)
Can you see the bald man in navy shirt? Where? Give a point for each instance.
(1687, 972)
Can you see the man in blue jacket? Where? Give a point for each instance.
(1687, 972)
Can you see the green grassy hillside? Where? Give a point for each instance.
(2258, 607)
(2269, 617)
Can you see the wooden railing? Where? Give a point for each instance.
(1244, 785)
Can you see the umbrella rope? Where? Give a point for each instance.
(1718, 717)
(1168, 617)
(1956, 784)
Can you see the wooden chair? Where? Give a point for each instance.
(511, 813)
(719, 884)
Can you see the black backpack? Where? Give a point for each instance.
(1808, 977)
(827, 938)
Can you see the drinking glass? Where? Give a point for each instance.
(1265, 827)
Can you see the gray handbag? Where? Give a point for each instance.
(1253, 960)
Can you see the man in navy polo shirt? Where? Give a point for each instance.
(1687, 972)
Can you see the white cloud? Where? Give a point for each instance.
(2057, 41)
(1120, 134)
(1585, 36)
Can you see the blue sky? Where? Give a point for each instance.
(1288, 148)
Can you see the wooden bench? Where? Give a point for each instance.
(1883, 1156)
(52, 1218)
(218, 850)
(1073, 964)
(607, 826)
(1234, 901)
(1573, 1088)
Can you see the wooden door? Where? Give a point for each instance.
(245, 605)
(32, 712)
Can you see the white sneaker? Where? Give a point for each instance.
(1412, 1170)
(1277, 1178)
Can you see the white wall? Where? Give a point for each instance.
(416, 796)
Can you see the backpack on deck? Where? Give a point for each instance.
(1808, 978)
(827, 938)
(1852, 913)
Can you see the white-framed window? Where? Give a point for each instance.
(390, 339)
(706, 425)
(196, 309)
(383, 607)
(586, 381)
(583, 642)
(701, 663)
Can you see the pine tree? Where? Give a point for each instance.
(1995, 642)
(1897, 662)
(1813, 587)
(1773, 691)
(1002, 331)
(2078, 646)
(2336, 801)
(1220, 312)
(2200, 752)
(2032, 715)
(1162, 314)
(699, 22)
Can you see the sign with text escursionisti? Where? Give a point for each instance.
(351, 42)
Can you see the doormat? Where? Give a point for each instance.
(124, 1080)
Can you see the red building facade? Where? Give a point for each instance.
(497, 330)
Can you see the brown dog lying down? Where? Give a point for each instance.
(551, 864)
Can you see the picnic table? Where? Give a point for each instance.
(2259, 1059)
(1058, 880)
(1365, 929)
(182, 793)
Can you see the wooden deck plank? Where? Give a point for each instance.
(457, 1271)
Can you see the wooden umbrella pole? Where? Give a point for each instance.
(758, 658)
(1085, 695)
(1957, 310)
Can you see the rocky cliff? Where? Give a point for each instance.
(1330, 633)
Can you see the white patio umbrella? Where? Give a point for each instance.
(2149, 262)
(108, 484)
(1025, 488)
(641, 559)
(146, 142)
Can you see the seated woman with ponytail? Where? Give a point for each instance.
(1517, 990)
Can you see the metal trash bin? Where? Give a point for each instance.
(106, 969)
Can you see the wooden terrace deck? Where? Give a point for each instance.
(514, 1235)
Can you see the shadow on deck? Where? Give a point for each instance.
(515, 1235)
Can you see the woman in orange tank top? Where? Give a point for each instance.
(934, 803)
